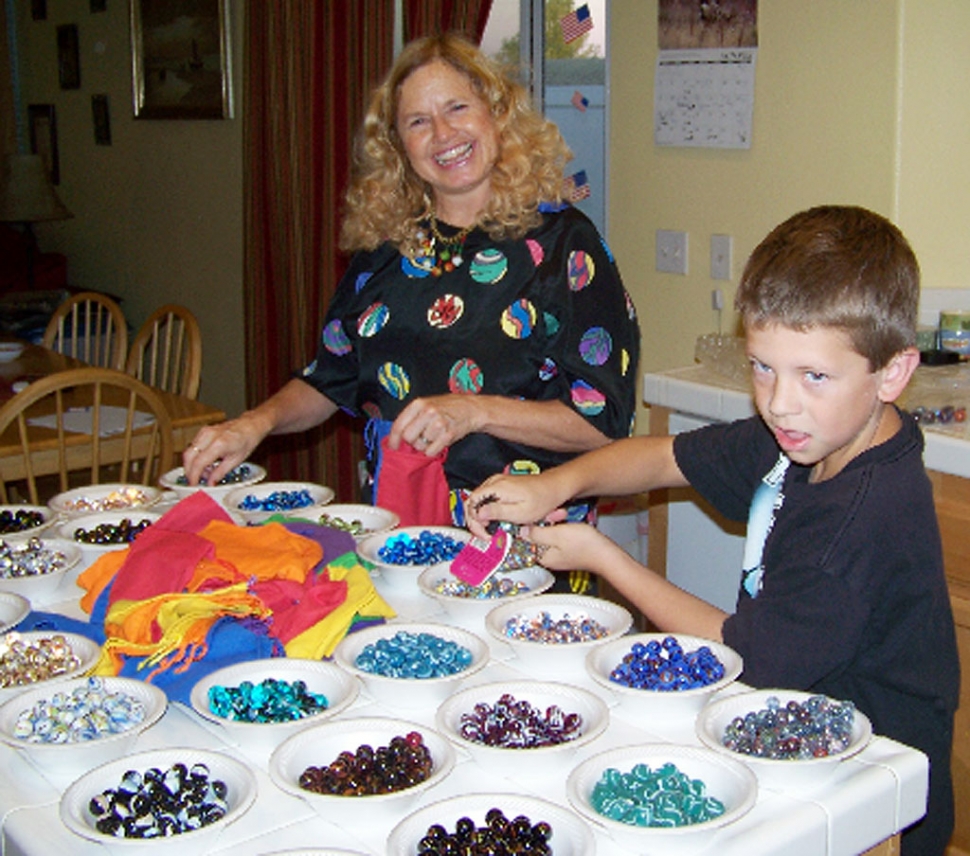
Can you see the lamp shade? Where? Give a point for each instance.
(26, 194)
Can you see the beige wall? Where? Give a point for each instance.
(158, 214)
(858, 102)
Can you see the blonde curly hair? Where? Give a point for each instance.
(386, 200)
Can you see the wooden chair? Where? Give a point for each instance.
(167, 351)
(134, 453)
(89, 327)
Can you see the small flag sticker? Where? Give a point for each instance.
(577, 186)
(576, 23)
(580, 101)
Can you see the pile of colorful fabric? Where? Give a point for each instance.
(196, 592)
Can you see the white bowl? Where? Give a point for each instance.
(372, 519)
(239, 779)
(571, 836)
(86, 651)
(410, 692)
(404, 577)
(314, 851)
(170, 481)
(77, 757)
(726, 779)
(340, 688)
(520, 763)
(14, 608)
(665, 704)
(471, 611)
(9, 351)
(556, 660)
(779, 773)
(319, 745)
(42, 510)
(105, 498)
(66, 529)
(319, 496)
(41, 589)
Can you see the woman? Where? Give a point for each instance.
(479, 315)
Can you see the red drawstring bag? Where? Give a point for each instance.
(413, 486)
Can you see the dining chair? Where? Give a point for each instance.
(166, 352)
(89, 423)
(90, 327)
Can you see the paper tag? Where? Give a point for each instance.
(479, 559)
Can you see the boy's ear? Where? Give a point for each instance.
(896, 374)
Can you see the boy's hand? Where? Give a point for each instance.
(511, 499)
(568, 546)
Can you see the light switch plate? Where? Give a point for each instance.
(721, 256)
(671, 251)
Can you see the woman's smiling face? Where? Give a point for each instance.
(450, 139)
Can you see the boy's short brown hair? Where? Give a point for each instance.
(836, 266)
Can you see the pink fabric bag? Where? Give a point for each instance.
(413, 486)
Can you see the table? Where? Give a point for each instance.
(187, 414)
(865, 800)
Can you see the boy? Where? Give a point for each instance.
(842, 590)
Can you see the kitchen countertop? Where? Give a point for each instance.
(702, 391)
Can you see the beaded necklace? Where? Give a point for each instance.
(443, 254)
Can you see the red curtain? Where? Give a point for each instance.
(425, 17)
(311, 67)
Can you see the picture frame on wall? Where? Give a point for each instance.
(68, 57)
(181, 62)
(42, 128)
(102, 120)
(38, 10)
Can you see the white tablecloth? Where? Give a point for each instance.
(864, 800)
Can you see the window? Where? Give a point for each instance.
(569, 80)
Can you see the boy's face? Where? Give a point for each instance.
(817, 395)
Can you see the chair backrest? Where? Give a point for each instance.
(89, 327)
(167, 351)
(45, 430)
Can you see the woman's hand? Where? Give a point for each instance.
(217, 449)
(432, 424)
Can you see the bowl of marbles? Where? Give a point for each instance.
(99, 498)
(36, 567)
(244, 475)
(402, 554)
(662, 675)
(504, 817)
(551, 634)
(215, 789)
(784, 736)
(14, 608)
(42, 657)
(467, 605)
(391, 763)
(97, 534)
(24, 521)
(259, 703)
(74, 725)
(412, 664)
(358, 519)
(661, 797)
(257, 503)
(523, 728)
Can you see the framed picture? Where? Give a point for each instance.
(180, 59)
(99, 6)
(42, 122)
(38, 10)
(68, 59)
(102, 120)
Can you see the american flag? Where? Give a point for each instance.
(576, 23)
(577, 186)
(580, 101)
